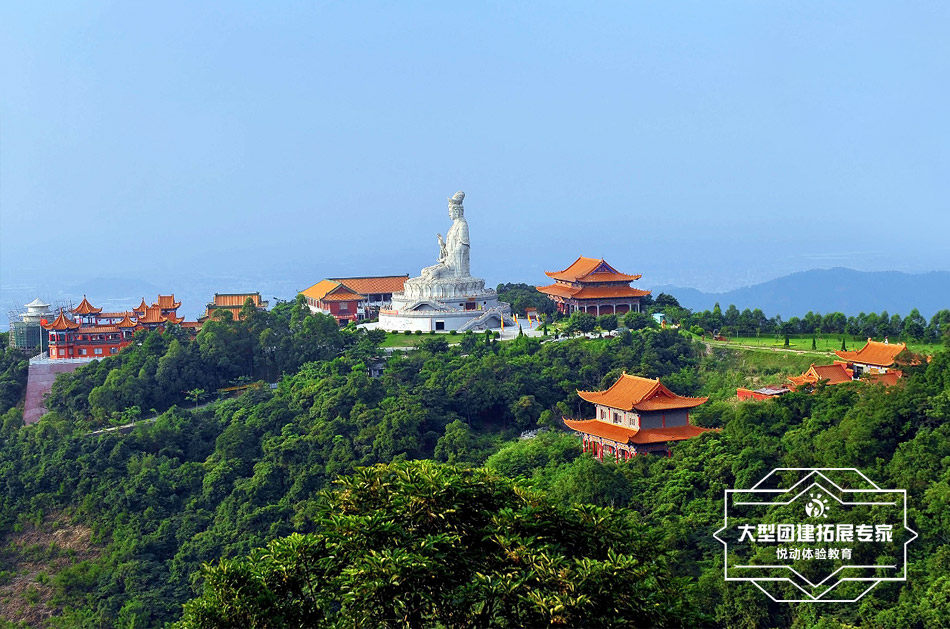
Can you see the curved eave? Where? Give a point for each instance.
(670, 404)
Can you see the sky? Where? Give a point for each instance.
(225, 146)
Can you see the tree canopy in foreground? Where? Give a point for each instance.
(417, 544)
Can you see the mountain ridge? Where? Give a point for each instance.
(838, 289)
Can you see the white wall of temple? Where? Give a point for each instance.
(624, 418)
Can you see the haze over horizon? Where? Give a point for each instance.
(233, 144)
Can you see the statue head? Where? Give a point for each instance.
(455, 205)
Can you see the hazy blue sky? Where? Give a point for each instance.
(702, 144)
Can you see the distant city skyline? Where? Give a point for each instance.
(235, 145)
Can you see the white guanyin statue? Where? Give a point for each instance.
(455, 249)
(451, 276)
(445, 296)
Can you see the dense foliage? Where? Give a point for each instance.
(219, 481)
(13, 370)
(420, 544)
(748, 322)
(162, 368)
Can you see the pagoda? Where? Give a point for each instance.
(591, 285)
(635, 416)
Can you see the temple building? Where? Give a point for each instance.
(335, 299)
(233, 303)
(87, 332)
(635, 416)
(836, 373)
(377, 291)
(353, 298)
(591, 285)
(874, 358)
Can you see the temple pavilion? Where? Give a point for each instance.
(591, 285)
(874, 358)
(635, 416)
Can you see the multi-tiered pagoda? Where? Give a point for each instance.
(635, 416)
(593, 286)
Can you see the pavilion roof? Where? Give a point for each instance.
(98, 329)
(173, 319)
(142, 307)
(236, 300)
(591, 270)
(126, 322)
(331, 290)
(153, 314)
(628, 435)
(85, 308)
(62, 323)
(887, 379)
(167, 302)
(592, 292)
(874, 353)
(836, 373)
(371, 285)
(643, 394)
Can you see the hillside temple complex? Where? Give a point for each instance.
(635, 416)
(445, 296)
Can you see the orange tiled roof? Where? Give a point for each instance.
(836, 373)
(633, 392)
(126, 322)
(61, 323)
(320, 289)
(874, 353)
(98, 329)
(558, 290)
(174, 319)
(324, 289)
(625, 434)
(887, 379)
(191, 324)
(236, 300)
(343, 295)
(85, 308)
(167, 302)
(142, 307)
(591, 292)
(590, 270)
(153, 314)
(111, 315)
(374, 285)
(604, 292)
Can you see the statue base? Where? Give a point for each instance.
(460, 304)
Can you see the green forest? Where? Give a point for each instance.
(410, 500)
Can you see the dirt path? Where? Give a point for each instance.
(761, 348)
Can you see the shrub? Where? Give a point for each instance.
(407, 332)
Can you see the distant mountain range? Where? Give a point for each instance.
(829, 290)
